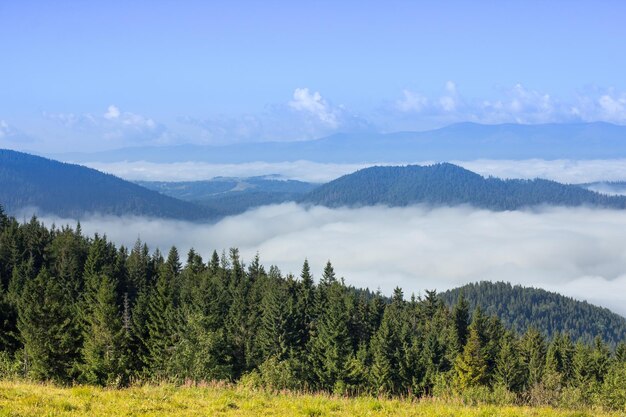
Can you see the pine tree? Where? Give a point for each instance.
(305, 306)
(533, 355)
(162, 319)
(460, 317)
(331, 345)
(509, 369)
(104, 347)
(600, 360)
(471, 366)
(580, 361)
(274, 338)
(386, 349)
(9, 341)
(48, 329)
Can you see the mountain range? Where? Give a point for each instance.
(461, 141)
(72, 191)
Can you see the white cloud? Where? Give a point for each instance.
(577, 252)
(112, 113)
(314, 104)
(118, 128)
(518, 104)
(4, 129)
(9, 133)
(412, 102)
(613, 108)
(306, 116)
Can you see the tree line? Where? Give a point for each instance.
(80, 309)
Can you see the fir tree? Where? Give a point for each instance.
(509, 369)
(104, 348)
(460, 317)
(471, 366)
(48, 329)
(331, 347)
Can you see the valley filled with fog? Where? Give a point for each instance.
(579, 252)
(562, 170)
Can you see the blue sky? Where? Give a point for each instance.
(96, 75)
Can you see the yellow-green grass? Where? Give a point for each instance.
(29, 399)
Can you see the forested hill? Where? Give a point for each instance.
(520, 308)
(71, 191)
(448, 184)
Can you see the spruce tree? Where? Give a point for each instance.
(274, 337)
(509, 370)
(533, 354)
(461, 320)
(162, 319)
(471, 366)
(305, 306)
(386, 349)
(104, 348)
(48, 329)
(331, 345)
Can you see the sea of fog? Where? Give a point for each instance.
(579, 252)
(562, 170)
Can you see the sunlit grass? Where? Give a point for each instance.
(29, 399)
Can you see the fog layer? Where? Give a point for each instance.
(578, 252)
(562, 170)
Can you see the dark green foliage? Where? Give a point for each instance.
(78, 309)
(331, 346)
(450, 185)
(521, 308)
(105, 346)
(509, 370)
(48, 328)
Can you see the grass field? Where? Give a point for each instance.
(27, 399)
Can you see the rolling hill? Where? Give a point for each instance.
(520, 308)
(450, 185)
(68, 190)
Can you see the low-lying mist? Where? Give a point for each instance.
(579, 252)
(561, 170)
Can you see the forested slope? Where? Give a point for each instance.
(450, 185)
(520, 308)
(67, 190)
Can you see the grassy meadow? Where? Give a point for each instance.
(31, 399)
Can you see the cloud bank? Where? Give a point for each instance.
(577, 252)
(562, 170)
(517, 104)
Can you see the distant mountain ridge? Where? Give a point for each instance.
(72, 191)
(450, 185)
(69, 190)
(461, 141)
(520, 308)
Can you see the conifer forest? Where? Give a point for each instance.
(79, 309)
